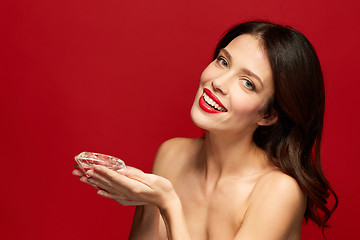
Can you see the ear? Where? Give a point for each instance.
(269, 119)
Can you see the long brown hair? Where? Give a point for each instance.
(293, 142)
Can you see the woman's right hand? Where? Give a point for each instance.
(83, 178)
(77, 171)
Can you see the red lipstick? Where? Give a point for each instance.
(213, 97)
(206, 106)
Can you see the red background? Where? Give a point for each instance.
(119, 77)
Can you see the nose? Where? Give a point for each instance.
(221, 83)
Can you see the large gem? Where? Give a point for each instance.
(87, 159)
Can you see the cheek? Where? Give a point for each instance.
(246, 106)
(206, 75)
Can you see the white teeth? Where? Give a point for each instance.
(212, 103)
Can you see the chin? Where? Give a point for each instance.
(199, 118)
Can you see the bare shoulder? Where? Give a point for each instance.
(276, 206)
(174, 154)
(276, 182)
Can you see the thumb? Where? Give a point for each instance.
(133, 173)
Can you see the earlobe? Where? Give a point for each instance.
(269, 120)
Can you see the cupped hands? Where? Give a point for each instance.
(129, 186)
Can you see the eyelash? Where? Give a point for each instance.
(219, 60)
(252, 87)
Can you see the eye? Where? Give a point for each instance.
(222, 61)
(248, 84)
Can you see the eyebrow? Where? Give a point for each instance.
(226, 53)
(245, 70)
(251, 74)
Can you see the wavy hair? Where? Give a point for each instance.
(293, 142)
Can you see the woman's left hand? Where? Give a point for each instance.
(132, 186)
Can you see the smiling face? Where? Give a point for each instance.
(234, 89)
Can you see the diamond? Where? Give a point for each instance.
(86, 160)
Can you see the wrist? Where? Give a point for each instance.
(171, 202)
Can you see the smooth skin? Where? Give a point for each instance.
(221, 186)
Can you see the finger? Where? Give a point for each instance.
(108, 177)
(116, 182)
(95, 183)
(108, 173)
(122, 200)
(129, 172)
(138, 175)
(100, 180)
(78, 173)
(133, 173)
(84, 179)
(110, 185)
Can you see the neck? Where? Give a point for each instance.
(236, 156)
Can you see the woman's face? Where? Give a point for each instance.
(234, 89)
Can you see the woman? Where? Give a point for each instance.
(256, 174)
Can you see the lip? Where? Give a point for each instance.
(204, 106)
(214, 97)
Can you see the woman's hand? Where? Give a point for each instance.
(79, 173)
(132, 186)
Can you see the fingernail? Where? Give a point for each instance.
(90, 181)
